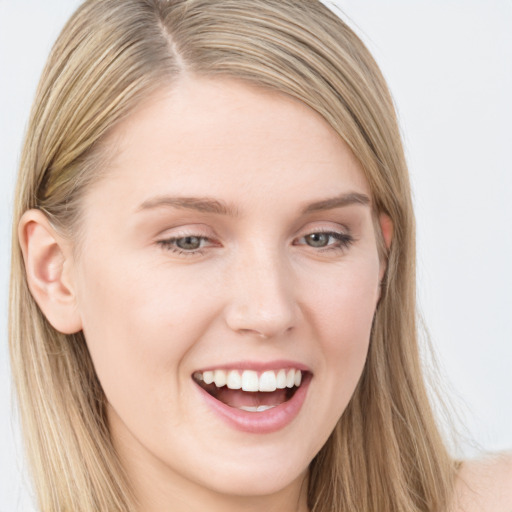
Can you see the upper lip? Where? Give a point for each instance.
(258, 366)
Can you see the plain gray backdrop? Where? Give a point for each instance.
(449, 67)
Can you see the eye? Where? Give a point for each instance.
(191, 245)
(327, 240)
(318, 239)
(186, 245)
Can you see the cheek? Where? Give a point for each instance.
(344, 315)
(345, 304)
(139, 325)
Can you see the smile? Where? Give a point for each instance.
(250, 380)
(255, 401)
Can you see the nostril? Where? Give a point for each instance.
(254, 333)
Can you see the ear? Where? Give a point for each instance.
(386, 228)
(48, 266)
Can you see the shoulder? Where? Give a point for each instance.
(485, 485)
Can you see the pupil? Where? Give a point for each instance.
(318, 239)
(188, 242)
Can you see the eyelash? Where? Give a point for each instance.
(344, 241)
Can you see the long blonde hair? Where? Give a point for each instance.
(386, 453)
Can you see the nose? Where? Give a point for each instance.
(262, 300)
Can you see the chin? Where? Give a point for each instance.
(257, 481)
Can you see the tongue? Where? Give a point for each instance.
(238, 398)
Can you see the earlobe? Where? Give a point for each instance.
(47, 264)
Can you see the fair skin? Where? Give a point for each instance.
(485, 485)
(256, 293)
(167, 292)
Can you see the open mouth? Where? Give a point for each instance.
(249, 390)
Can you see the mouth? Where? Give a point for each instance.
(250, 390)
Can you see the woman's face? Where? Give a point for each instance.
(231, 238)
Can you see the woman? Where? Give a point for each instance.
(213, 271)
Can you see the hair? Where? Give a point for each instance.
(386, 452)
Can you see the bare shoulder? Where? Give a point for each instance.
(485, 485)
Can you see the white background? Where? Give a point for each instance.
(449, 67)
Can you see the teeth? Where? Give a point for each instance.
(234, 380)
(208, 377)
(252, 408)
(290, 378)
(281, 379)
(220, 378)
(249, 380)
(268, 381)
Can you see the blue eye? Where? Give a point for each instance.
(328, 240)
(192, 245)
(187, 245)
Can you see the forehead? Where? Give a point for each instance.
(219, 136)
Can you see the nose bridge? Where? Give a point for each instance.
(262, 298)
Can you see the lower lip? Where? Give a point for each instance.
(264, 422)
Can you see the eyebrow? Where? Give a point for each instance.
(337, 202)
(208, 205)
(200, 204)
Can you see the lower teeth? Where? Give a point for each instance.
(259, 408)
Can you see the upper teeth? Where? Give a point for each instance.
(250, 380)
